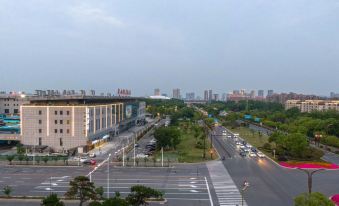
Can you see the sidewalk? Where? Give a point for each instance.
(118, 142)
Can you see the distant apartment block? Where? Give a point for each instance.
(176, 94)
(156, 92)
(270, 93)
(283, 97)
(312, 105)
(206, 95)
(190, 96)
(210, 95)
(237, 95)
(261, 93)
(77, 122)
(334, 95)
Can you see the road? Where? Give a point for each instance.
(270, 184)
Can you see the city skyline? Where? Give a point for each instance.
(219, 45)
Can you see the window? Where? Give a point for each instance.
(40, 112)
(16, 111)
(40, 131)
(55, 121)
(61, 121)
(67, 131)
(40, 121)
(68, 122)
(61, 143)
(55, 131)
(67, 112)
(56, 112)
(61, 131)
(40, 141)
(61, 112)
(6, 111)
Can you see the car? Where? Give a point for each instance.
(82, 159)
(260, 154)
(243, 154)
(246, 149)
(89, 162)
(253, 149)
(252, 154)
(92, 155)
(238, 143)
(242, 147)
(136, 145)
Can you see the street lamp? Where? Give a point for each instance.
(310, 174)
(108, 175)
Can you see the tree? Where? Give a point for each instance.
(20, 149)
(167, 137)
(20, 158)
(7, 190)
(313, 199)
(26, 158)
(82, 189)
(51, 200)
(10, 158)
(139, 194)
(45, 159)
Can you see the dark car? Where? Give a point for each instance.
(243, 154)
(90, 162)
(254, 150)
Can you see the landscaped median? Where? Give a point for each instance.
(309, 165)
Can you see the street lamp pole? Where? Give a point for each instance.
(134, 151)
(108, 175)
(309, 177)
(245, 186)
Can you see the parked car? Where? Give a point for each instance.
(83, 159)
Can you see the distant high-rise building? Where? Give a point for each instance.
(190, 96)
(210, 94)
(216, 97)
(157, 92)
(224, 97)
(176, 94)
(334, 95)
(206, 95)
(236, 92)
(164, 94)
(261, 93)
(242, 91)
(252, 94)
(270, 92)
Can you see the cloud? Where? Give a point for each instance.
(88, 14)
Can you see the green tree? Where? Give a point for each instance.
(26, 158)
(167, 137)
(20, 158)
(313, 199)
(51, 200)
(81, 188)
(139, 194)
(20, 149)
(7, 190)
(10, 158)
(45, 159)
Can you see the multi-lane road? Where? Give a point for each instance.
(270, 184)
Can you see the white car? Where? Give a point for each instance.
(246, 149)
(82, 159)
(242, 146)
(252, 154)
(92, 155)
(260, 154)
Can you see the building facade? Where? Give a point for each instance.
(176, 94)
(312, 105)
(10, 103)
(157, 92)
(66, 124)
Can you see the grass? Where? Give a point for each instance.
(251, 136)
(186, 151)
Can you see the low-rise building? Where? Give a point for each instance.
(10, 103)
(312, 105)
(77, 122)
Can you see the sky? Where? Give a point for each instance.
(285, 45)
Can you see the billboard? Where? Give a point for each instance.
(128, 111)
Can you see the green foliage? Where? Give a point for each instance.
(21, 157)
(51, 200)
(293, 145)
(331, 141)
(167, 137)
(10, 158)
(45, 159)
(81, 188)
(20, 149)
(139, 194)
(7, 190)
(100, 192)
(313, 199)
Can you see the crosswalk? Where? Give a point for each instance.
(225, 189)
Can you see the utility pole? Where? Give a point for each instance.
(162, 157)
(134, 151)
(123, 156)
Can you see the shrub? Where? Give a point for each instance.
(7, 190)
(267, 147)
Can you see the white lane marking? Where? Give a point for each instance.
(209, 192)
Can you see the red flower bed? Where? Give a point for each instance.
(335, 199)
(309, 165)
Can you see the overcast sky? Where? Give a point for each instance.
(285, 45)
